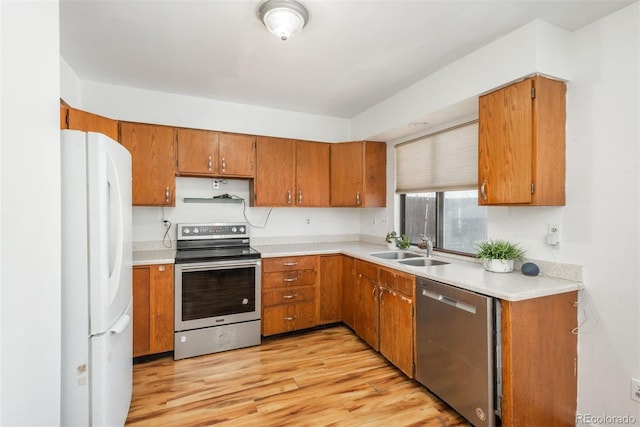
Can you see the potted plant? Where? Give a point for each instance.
(391, 239)
(403, 242)
(499, 255)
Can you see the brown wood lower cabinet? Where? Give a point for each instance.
(329, 289)
(396, 319)
(288, 294)
(152, 309)
(539, 359)
(366, 303)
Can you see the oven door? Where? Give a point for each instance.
(216, 293)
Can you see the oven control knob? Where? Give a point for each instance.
(233, 229)
(185, 230)
(242, 229)
(195, 230)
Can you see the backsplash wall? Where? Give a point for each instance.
(281, 224)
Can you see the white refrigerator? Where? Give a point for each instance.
(96, 280)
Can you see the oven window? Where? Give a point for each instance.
(214, 293)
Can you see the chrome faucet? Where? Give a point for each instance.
(428, 245)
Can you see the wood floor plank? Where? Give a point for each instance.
(321, 378)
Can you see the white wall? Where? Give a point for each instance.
(30, 215)
(602, 218)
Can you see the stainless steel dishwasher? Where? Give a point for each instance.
(455, 349)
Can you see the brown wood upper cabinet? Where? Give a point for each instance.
(210, 153)
(153, 163)
(72, 118)
(521, 151)
(359, 174)
(290, 173)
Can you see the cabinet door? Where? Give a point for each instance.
(288, 317)
(348, 288)
(152, 309)
(505, 145)
(312, 174)
(153, 162)
(236, 155)
(89, 122)
(274, 183)
(330, 289)
(366, 312)
(396, 329)
(347, 163)
(141, 310)
(196, 151)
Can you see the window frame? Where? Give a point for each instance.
(439, 228)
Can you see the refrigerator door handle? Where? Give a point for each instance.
(116, 228)
(120, 325)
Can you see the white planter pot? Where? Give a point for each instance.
(498, 265)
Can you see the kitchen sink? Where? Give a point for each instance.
(422, 262)
(395, 255)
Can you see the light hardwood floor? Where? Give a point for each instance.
(321, 378)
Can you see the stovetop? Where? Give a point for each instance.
(213, 242)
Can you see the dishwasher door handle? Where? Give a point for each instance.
(449, 301)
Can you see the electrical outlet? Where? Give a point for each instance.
(216, 184)
(553, 234)
(308, 220)
(635, 389)
(385, 220)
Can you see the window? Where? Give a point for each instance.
(451, 219)
(437, 178)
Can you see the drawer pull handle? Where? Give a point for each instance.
(290, 318)
(289, 264)
(289, 296)
(292, 279)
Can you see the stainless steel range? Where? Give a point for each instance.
(217, 289)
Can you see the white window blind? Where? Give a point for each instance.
(443, 161)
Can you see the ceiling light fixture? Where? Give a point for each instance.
(283, 18)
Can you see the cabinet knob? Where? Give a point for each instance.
(299, 197)
(288, 197)
(166, 194)
(358, 198)
(483, 189)
(161, 268)
(224, 165)
(209, 163)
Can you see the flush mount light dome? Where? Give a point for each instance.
(283, 18)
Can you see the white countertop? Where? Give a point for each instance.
(158, 256)
(461, 273)
(464, 274)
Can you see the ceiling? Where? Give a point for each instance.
(351, 56)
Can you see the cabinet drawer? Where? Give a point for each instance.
(288, 296)
(398, 281)
(289, 263)
(367, 269)
(289, 278)
(288, 317)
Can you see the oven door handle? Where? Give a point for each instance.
(209, 267)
